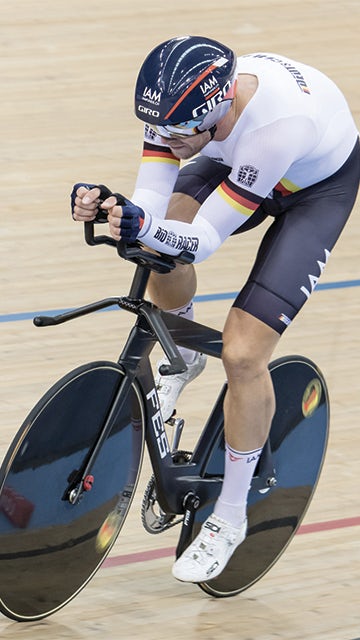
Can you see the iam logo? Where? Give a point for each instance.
(209, 87)
(152, 96)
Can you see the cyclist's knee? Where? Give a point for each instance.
(174, 289)
(240, 361)
(247, 345)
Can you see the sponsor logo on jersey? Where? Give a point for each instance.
(171, 239)
(296, 74)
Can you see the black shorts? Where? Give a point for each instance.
(296, 246)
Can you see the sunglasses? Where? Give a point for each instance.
(181, 130)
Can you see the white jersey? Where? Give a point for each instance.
(295, 131)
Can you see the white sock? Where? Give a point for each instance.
(187, 311)
(239, 470)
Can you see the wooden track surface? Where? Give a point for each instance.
(66, 115)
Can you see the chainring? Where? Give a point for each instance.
(153, 518)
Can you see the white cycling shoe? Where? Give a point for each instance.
(170, 387)
(207, 556)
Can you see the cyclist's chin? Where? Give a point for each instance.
(185, 149)
(182, 151)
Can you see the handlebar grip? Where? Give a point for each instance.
(105, 193)
(133, 252)
(92, 239)
(89, 229)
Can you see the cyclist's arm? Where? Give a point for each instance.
(262, 159)
(156, 176)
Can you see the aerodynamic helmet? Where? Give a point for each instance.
(185, 83)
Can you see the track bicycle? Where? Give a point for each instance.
(70, 474)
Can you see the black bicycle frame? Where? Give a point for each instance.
(172, 480)
(152, 326)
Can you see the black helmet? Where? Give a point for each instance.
(183, 80)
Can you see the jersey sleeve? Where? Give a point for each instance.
(259, 165)
(156, 176)
(266, 156)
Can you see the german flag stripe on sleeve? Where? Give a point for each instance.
(286, 187)
(156, 153)
(239, 198)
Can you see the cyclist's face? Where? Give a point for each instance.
(185, 147)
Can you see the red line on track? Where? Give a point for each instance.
(155, 554)
(142, 556)
(315, 527)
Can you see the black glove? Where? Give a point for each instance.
(132, 218)
(101, 215)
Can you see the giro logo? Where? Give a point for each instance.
(213, 98)
(148, 111)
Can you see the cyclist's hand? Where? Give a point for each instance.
(85, 202)
(124, 221)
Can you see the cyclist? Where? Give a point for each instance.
(267, 137)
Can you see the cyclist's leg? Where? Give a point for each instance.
(249, 407)
(293, 253)
(291, 258)
(196, 181)
(248, 345)
(174, 291)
